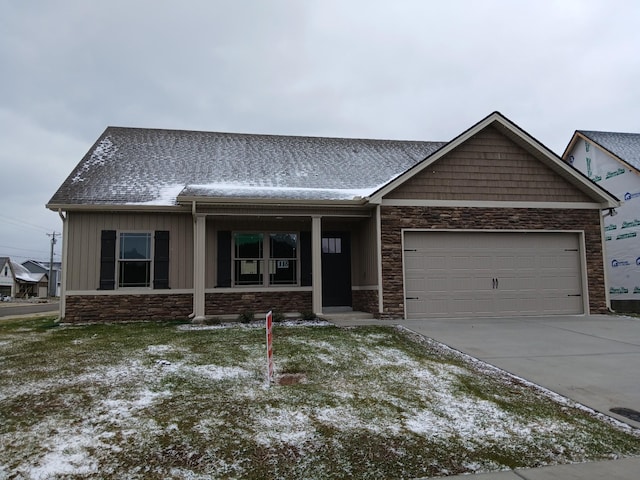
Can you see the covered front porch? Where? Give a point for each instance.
(288, 259)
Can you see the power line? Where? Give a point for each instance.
(24, 249)
(22, 223)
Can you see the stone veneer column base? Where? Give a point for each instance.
(365, 301)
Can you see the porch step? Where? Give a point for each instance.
(338, 316)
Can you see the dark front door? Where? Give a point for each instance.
(336, 269)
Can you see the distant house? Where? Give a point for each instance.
(174, 224)
(612, 160)
(17, 282)
(35, 266)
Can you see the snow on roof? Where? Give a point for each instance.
(153, 167)
(21, 273)
(625, 146)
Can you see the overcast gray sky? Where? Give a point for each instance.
(395, 69)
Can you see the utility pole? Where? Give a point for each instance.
(52, 291)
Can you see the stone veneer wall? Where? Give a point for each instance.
(127, 308)
(394, 219)
(365, 301)
(257, 302)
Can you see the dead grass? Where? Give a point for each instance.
(171, 401)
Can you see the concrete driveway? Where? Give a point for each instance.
(593, 359)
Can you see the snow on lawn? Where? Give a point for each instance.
(192, 403)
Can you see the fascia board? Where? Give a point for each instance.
(572, 143)
(114, 208)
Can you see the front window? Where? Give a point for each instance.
(248, 254)
(264, 259)
(134, 260)
(283, 263)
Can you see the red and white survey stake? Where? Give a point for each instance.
(269, 348)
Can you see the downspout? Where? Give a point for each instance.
(379, 260)
(192, 315)
(65, 256)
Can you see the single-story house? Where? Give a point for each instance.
(612, 160)
(18, 282)
(176, 224)
(35, 266)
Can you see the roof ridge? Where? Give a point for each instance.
(266, 135)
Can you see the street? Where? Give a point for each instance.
(10, 310)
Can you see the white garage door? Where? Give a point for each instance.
(462, 274)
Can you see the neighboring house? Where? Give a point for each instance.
(170, 224)
(612, 160)
(17, 282)
(35, 266)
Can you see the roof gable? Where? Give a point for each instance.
(489, 166)
(625, 147)
(525, 143)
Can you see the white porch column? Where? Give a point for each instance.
(379, 253)
(199, 242)
(63, 265)
(316, 263)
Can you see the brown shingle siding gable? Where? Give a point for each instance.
(489, 167)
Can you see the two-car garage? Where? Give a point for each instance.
(492, 274)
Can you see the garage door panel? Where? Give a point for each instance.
(454, 274)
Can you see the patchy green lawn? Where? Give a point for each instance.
(175, 401)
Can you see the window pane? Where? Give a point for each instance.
(283, 272)
(135, 246)
(248, 245)
(284, 245)
(135, 274)
(332, 245)
(248, 272)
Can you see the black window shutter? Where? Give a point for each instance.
(224, 259)
(305, 259)
(161, 260)
(108, 260)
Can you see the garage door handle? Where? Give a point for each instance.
(496, 283)
(412, 298)
(574, 295)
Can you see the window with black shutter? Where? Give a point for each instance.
(161, 260)
(108, 260)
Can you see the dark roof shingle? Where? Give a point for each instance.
(151, 166)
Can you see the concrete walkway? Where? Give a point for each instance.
(592, 359)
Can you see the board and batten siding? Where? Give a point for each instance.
(489, 167)
(364, 255)
(84, 230)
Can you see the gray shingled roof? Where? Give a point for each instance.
(625, 146)
(149, 166)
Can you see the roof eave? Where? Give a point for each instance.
(101, 207)
(243, 201)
